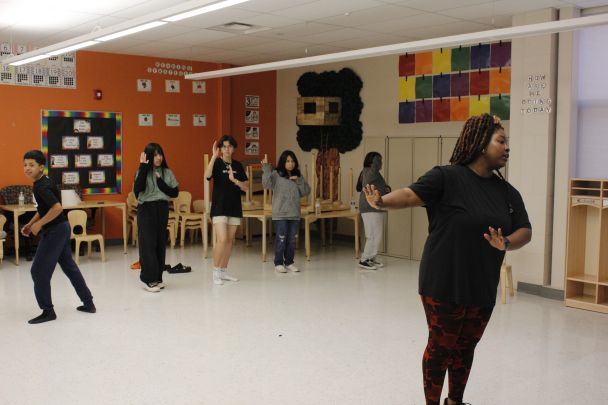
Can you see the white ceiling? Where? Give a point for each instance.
(300, 28)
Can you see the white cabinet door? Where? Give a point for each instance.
(447, 148)
(399, 175)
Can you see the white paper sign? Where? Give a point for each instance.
(59, 161)
(83, 161)
(70, 142)
(82, 126)
(105, 160)
(198, 87)
(252, 101)
(94, 142)
(252, 117)
(200, 120)
(172, 86)
(145, 120)
(144, 85)
(252, 148)
(70, 178)
(173, 120)
(252, 133)
(97, 177)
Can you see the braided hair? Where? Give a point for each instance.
(474, 138)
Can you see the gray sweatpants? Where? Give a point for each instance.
(372, 222)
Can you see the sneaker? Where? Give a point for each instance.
(293, 268)
(160, 285)
(216, 277)
(151, 287)
(377, 264)
(369, 265)
(225, 276)
(280, 268)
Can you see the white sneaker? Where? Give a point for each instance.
(216, 277)
(152, 287)
(293, 268)
(280, 268)
(225, 276)
(377, 264)
(160, 285)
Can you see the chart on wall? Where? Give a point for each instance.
(455, 84)
(57, 71)
(84, 148)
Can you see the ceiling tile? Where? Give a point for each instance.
(200, 37)
(314, 50)
(440, 5)
(116, 45)
(400, 24)
(269, 6)
(500, 21)
(333, 36)
(298, 30)
(218, 17)
(57, 19)
(471, 12)
(327, 8)
(444, 30)
(372, 15)
(25, 36)
(241, 41)
(521, 6)
(12, 13)
(150, 48)
(104, 22)
(272, 21)
(55, 38)
(146, 7)
(257, 59)
(591, 3)
(277, 46)
(226, 56)
(189, 53)
(164, 32)
(371, 41)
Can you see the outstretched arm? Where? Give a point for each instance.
(402, 198)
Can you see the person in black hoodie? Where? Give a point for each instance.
(154, 186)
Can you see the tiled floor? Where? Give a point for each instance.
(332, 334)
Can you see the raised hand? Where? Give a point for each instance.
(496, 239)
(142, 158)
(265, 160)
(293, 178)
(157, 175)
(216, 150)
(373, 196)
(230, 174)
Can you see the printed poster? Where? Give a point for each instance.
(94, 142)
(70, 142)
(146, 120)
(97, 177)
(105, 160)
(144, 85)
(200, 120)
(172, 86)
(70, 178)
(58, 161)
(252, 117)
(252, 133)
(252, 101)
(82, 126)
(252, 148)
(173, 120)
(81, 161)
(199, 87)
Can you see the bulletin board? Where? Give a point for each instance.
(453, 84)
(84, 148)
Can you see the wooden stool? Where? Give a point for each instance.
(506, 273)
(79, 218)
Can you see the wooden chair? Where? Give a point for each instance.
(2, 221)
(506, 273)
(188, 220)
(172, 226)
(79, 218)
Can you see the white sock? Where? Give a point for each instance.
(216, 269)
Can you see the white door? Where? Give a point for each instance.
(399, 175)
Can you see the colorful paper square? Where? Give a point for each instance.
(442, 61)
(424, 111)
(407, 65)
(500, 81)
(461, 58)
(480, 83)
(460, 84)
(500, 54)
(459, 109)
(441, 110)
(479, 105)
(480, 56)
(424, 63)
(424, 87)
(407, 88)
(501, 107)
(441, 86)
(407, 112)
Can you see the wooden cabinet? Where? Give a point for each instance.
(587, 246)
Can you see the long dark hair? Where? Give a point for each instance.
(152, 148)
(367, 162)
(281, 165)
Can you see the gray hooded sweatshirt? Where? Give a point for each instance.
(371, 176)
(286, 193)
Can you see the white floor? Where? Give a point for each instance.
(332, 334)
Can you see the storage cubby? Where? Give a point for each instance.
(602, 296)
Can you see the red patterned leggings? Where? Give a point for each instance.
(454, 331)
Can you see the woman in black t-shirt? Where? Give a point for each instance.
(470, 210)
(229, 179)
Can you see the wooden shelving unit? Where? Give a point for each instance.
(587, 255)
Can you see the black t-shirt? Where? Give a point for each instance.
(45, 196)
(226, 200)
(458, 263)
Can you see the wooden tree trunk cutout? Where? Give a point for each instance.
(328, 159)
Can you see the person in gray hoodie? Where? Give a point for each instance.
(289, 186)
(372, 218)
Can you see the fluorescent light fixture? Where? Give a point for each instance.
(132, 30)
(29, 60)
(73, 47)
(204, 10)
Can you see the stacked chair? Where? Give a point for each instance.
(187, 220)
(79, 218)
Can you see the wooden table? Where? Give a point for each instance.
(17, 212)
(310, 218)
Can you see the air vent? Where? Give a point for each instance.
(239, 28)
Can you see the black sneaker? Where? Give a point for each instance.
(369, 265)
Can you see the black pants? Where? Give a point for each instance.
(152, 220)
(55, 248)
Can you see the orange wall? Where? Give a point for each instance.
(116, 75)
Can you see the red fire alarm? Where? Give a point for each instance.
(96, 94)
